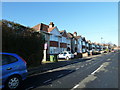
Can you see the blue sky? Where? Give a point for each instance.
(92, 20)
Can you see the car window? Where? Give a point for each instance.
(65, 53)
(7, 59)
(70, 53)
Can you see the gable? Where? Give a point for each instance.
(55, 31)
(64, 34)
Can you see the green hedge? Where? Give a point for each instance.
(24, 41)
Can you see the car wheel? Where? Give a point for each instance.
(67, 58)
(13, 82)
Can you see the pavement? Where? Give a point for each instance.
(61, 63)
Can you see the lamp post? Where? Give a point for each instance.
(101, 43)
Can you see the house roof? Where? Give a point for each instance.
(37, 27)
(43, 27)
(63, 33)
(70, 35)
(77, 37)
(50, 29)
(83, 38)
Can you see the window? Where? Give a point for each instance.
(53, 50)
(53, 38)
(7, 59)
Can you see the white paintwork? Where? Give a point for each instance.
(54, 50)
(66, 54)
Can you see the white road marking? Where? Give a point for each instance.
(82, 66)
(47, 81)
(29, 88)
(77, 68)
(71, 71)
(96, 70)
(109, 59)
(60, 75)
(75, 87)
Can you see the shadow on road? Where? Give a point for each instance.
(44, 79)
(54, 65)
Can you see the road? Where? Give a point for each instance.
(95, 72)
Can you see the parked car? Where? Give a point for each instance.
(66, 55)
(14, 70)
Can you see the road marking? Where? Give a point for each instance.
(60, 75)
(29, 88)
(71, 71)
(96, 70)
(47, 81)
(82, 66)
(75, 87)
(77, 68)
(109, 59)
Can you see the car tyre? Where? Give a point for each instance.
(67, 58)
(13, 83)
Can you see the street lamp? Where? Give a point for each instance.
(101, 43)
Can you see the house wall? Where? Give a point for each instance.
(69, 43)
(79, 45)
(55, 39)
(83, 46)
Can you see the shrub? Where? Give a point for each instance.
(23, 41)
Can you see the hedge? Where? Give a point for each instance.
(23, 41)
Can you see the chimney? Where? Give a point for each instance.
(75, 33)
(51, 25)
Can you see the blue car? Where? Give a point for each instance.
(14, 70)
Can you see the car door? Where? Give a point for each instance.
(64, 55)
(61, 55)
(8, 65)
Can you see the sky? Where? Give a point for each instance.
(91, 20)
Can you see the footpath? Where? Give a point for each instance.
(61, 63)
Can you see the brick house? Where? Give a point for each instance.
(65, 43)
(52, 38)
(73, 42)
(84, 47)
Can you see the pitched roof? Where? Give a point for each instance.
(50, 29)
(41, 26)
(62, 31)
(37, 27)
(77, 37)
(83, 38)
(70, 35)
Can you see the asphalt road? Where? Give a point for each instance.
(95, 72)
